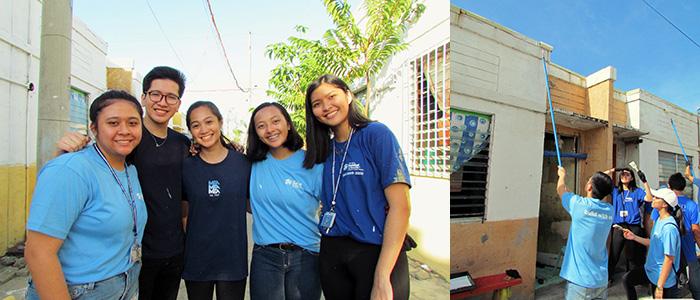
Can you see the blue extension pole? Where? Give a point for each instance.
(678, 138)
(551, 111)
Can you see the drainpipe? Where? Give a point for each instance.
(54, 77)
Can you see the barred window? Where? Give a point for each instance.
(429, 107)
(670, 163)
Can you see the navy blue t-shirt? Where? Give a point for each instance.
(374, 161)
(628, 204)
(215, 242)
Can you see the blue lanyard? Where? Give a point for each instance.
(336, 184)
(128, 196)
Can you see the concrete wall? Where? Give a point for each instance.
(499, 72)
(20, 29)
(652, 114)
(429, 195)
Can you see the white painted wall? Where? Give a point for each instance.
(88, 61)
(20, 26)
(652, 114)
(499, 72)
(429, 196)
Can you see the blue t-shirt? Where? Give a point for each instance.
(285, 198)
(78, 200)
(690, 217)
(627, 205)
(586, 257)
(216, 240)
(374, 161)
(664, 240)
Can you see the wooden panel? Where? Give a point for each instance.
(492, 247)
(568, 96)
(618, 115)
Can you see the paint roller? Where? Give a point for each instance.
(551, 109)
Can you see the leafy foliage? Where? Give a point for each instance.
(351, 50)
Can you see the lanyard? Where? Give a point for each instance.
(336, 183)
(130, 196)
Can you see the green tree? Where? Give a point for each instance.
(351, 50)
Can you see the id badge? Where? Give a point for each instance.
(328, 220)
(135, 254)
(623, 213)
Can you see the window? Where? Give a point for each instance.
(78, 111)
(429, 108)
(670, 163)
(469, 162)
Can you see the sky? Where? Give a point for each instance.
(587, 36)
(132, 34)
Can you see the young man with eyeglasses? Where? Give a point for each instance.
(158, 160)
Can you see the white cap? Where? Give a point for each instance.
(667, 194)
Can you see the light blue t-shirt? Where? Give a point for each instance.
(285, 199)
(374, 161)
(665, 240)
(77, 200)
(586, 257)
(690, 217)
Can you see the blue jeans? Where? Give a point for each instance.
(123, 287)
(577, 292)
(284, 274)
(694, 276)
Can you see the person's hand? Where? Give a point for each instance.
(659, 292)
(561, 171)
(381, 290)
(71, 142)
(642, 177)
(238, 147)
(687, 170)
(628, 234)
(194, 148)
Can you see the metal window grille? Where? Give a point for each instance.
(78, 111)
(468, 187)
(429, 108)
(670, 163)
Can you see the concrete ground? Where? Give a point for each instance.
(615, 292)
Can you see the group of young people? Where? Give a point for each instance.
(133, 213)
(657, 229)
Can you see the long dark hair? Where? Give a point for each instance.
(214, 110)
(318, 135)
(257, 150)
(677, 214)
(632, 185)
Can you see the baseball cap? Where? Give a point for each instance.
(667, 194)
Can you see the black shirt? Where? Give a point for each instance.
(216, 244)
(159, 164)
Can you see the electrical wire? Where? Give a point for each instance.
(669, 22)
(164, 35)
(218, 35)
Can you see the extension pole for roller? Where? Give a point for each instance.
(551, 111)
(678, 138)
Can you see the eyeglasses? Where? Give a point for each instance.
(156, 96)
(625, 174)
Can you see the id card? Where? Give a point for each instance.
(328, 220)
(135, 254)
(623, 213)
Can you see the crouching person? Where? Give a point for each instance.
(585, 265)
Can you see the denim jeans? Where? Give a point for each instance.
(284, 274)
(694, 278)
(577, 292)
(123, 286)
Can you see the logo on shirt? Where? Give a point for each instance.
(139, 196)
(293, 183)
(214, 188)
(598, 215)
(353, 168)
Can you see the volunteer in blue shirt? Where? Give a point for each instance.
(365, 196)
(692, 234)
(87, 215)
(585, 265)
(628, 201)
(215, 186)
(284, 199)
(663, 256)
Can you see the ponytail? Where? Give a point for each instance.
(677, 215)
